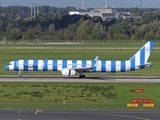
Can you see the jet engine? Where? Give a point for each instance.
(67, 72)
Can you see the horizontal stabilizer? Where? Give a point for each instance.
(145, 65)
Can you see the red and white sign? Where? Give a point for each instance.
(137, 101)
(142, 101)
(148, 101)
(134, 101)
(139, 90)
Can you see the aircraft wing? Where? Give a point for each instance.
(87, 68)
(83, 69)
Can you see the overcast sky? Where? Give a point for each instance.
(88, 3)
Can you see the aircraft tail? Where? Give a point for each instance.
(142, 56)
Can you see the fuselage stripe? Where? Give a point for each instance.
(45, 66)
(103, 66)
(94, 68)
(54, 65)
(84, 62)
(35, 65)
(74, 63)
(113, 66)
(16, 65)
(25, 65)
(64, 64)
(123, 66)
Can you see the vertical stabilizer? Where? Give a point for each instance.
(142, 56)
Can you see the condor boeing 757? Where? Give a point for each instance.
(72, 67)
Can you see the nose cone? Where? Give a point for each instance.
(151, 65)
(6, 67)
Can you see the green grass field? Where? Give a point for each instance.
(7, 55)
(91, 44)
(79, 95)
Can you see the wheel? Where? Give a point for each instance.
(82, 76)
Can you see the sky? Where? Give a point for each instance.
(87, 3)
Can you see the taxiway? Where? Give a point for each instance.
(79, 114)
(109, 79)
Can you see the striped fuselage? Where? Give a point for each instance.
(59, 65)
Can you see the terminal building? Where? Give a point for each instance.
(106, 13)
(14, 15)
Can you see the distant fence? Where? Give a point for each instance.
(67, 41)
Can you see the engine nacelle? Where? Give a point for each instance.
(67, 72)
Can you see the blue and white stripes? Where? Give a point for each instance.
(141, 57)
(58, 65)
(138, 61)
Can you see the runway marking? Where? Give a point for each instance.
(8, 109)
(126, 116)
(115, 112)
(19, 112)
(12, 119)
(36, 112)
(140, 118)
(94, 109)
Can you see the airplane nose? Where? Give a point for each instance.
(6, 67)
(151, 65)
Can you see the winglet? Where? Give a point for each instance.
(95, 62)
(96, 58)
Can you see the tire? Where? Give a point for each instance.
(82, 76)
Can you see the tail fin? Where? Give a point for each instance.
(142, 56)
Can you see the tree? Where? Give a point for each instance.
(15, 34)
(38, 28)
(85, 30)
(157, 35)
(9, 27)
(149, 36)
(122, 28)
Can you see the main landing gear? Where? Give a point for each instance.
(81, 75)
(20, 74)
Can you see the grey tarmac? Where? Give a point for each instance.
(100, 79)
(79, 114)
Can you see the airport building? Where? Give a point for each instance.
(14, 15)
(106, 13)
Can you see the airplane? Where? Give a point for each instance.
(72, 67)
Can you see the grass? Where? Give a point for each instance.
(7, 55)
(92, 44)
(33, 92)
(79, 95)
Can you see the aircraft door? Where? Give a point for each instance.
(20, 65)
(128, 66)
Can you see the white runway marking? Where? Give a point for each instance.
(19, 112)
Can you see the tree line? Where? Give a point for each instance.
(55, 24)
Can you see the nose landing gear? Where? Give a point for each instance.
(20, 74)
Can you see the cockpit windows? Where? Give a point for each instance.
(10, 63)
